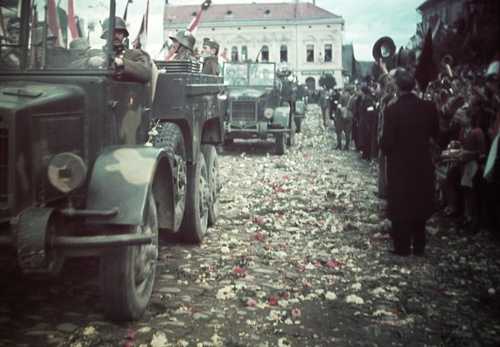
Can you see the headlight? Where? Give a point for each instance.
(66, 172)
(268, 113)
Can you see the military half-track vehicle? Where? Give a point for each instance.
(95, 165)
(255, 108)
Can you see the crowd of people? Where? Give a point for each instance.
(462, 144)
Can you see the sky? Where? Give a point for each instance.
(365, 20)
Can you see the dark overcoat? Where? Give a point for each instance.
(409, 125)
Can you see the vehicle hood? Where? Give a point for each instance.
(37, 96)
(248, 93)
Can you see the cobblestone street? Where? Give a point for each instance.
(298, 257)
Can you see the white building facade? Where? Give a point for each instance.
(306, 38)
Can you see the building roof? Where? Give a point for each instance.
(248, 12)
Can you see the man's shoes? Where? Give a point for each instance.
(380, 196)
(399, 253)
(419, 253)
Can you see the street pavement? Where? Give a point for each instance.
(298, 257)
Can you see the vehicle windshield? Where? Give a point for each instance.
(253, 74)
(236, 74)
(62, 34)
(261, 74)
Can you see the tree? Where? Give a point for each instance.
(327, 81)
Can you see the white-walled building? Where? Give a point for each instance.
(305, 37)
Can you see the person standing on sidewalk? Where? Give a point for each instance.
(409, 125)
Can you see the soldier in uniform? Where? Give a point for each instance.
(367, 121)
(343, 121)
(324, 104)
(210, 61)
(183, 45)
(79, 53)
(129, 64)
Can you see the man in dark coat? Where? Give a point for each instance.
(210, 61)
(367, 121)
(409, 125)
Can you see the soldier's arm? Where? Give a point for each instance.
(136, 66)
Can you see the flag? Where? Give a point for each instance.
(193, 26)
(126, 10)
(63, 24)
(140, 40)
(53, 22)
(426, 70)
(3, 32)
(72, 23)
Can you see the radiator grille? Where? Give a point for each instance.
(4, 159)
(243, 111)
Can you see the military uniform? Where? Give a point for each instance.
(210, 62)
(129, 64)
(183, 45)
(343, 122)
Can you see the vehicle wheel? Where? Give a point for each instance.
(214, 184)
(280, 144)
(170, 137)
(228, 142)
(127, 274)
(195, 222)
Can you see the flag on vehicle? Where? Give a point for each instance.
(140, 40)
(126, 10)
(72, 21)
(53, 23)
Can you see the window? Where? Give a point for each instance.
(264, 53)
(234, 53)
(310, 53)
(328, 53)
(283, 54)
(244, 53)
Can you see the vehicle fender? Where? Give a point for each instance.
(282, 116)
(122, 177)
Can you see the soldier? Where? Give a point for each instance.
(210, 61)
(10, 57)
(324, 104)
(129, 64)
(183, 44)
(343, 121)
(367, 121)
(79, 53)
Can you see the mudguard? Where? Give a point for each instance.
(282, 116)
(122, 178)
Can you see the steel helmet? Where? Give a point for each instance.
(185, 39)
(119, 25)
(80, 44)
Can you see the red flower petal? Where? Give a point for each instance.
(272, 300)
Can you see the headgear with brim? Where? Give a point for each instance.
(383, 45)
(185, 39)
(119, 25)
(213, 45)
